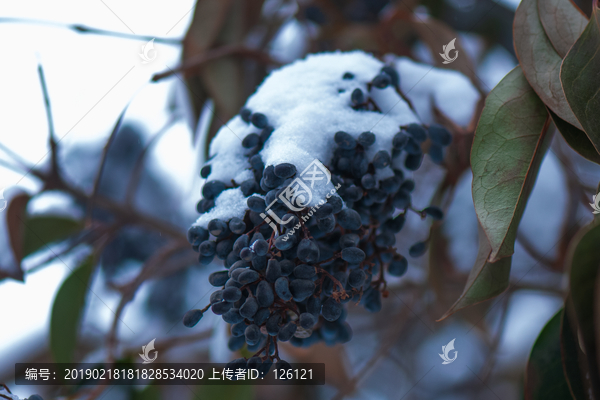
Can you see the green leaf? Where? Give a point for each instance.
(545, 379)
(539, 60)
(228, 391)
(67, 310)
(563, 22)
(571, 353)
(584, 260)
(576, 139)
(486, 280)
(581, 79)
(150, 392)
(507, 151)
(43, 230)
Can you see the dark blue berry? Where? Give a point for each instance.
(205, 171)
(307, 320)
(301, 289)
(398, 266)
(217, 227)
(400, 140)
(248, 276)
(256, 204)
(344, 140)
(282, 289)
(232, 316)
(212, 189)
(261, 247)
(264, 294)
(273, 324)
(221, 308)
(287, 331)
(417, 132)
(417, 249)
(357, 97)
(366, 139)
(349, 219)
(434, 212)
(413, 161)
(250, 141)
(308, 251)
(192, 317)
(381, 81)
(284, 170)
(218, 278)
(273, 270)
(249, 308)
(381, 159)
(348, 76)
(393, 74)
(357, 278)
(439, 135)
(259, 120)
(353, 255)
(252, 334)
(332, 309)
(368, 181)
(246, 114)
(232, 294)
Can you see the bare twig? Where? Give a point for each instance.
(147, 271)
(136, 174)
(94, 31)
(193, 63)
(103, 159)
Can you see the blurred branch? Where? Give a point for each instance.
(54, 178)
(110, 141)
(533, 252)
(155, 261)
(94, 31)
(136, 175)
(194, 63)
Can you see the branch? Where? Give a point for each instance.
(94, 31)
(155, 261)
(136, 174)
(195, 62)
(52, 142)
(110, 141)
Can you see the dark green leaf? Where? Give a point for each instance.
(576, 138)
(148, 393)
(509, 145)
(229, 391)
(545, 379)
(67, 310)
(584, 259)
(563, 22)
(539, 60)
(580, 76)
(571, 353)
(486, 280)
(43, 230)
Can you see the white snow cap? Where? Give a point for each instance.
(306, 103)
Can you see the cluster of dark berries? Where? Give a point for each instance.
(287, 278)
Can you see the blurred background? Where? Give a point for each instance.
(108, 187)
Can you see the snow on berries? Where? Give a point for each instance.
(305, 192)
